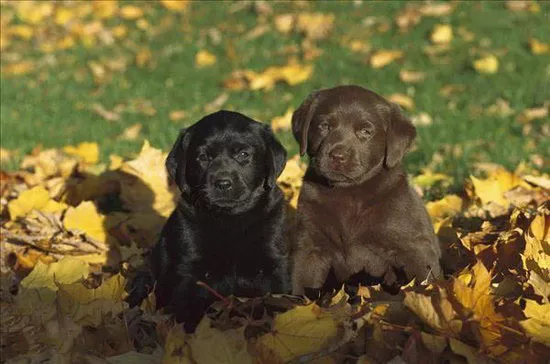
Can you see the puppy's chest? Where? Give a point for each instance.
(346, 219)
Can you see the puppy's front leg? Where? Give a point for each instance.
(309, 270)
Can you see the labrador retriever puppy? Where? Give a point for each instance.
(227, 230)
(356, 211)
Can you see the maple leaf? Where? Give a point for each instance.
(88, 307)
(85, 218)
(144, 183)
(88, 152)
(37, 198)
(537, 324)
(299, 331)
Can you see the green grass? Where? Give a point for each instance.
(53, 107)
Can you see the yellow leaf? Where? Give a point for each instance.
(120, 31)
(382, 58)
(17, 69)
(34, 13)
(67, 270)
(302, 330)
(21, 30)
(89, 306)
(145, 184)
(290, 180)
(537, 324)
(538, 47)
(63, 15)
(428, 178)
(493, 188)
(105, 9)
(411, 76)
(449, 205)
(88, 152)
(66, 42)
(49, 163)
(37, 198)
(143, 57)
(536, 256)
(37, 294)
(282, 122)
(284, 23)
(488, 64)
(529, 115)
(85, 218)
(231, 345)
(131, 132)
(442, 34)
(293, 74)
(402, 100)
(540, 286)
(131, 12)
(175, 5)
(434, 309)
(204, 58)
(176, 115)
(472, 290)
(315, 25)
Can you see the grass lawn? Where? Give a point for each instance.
(150, 72)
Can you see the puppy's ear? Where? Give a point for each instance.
(399, 136)
(177, 159)
(276, 158)
(302, 118)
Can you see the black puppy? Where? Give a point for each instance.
(227, 230)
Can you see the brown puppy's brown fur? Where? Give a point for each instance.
(357, 212)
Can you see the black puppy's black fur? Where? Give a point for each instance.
(227, 230)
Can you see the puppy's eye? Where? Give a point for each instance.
(364, 132)
(242, 155)
(324, 126)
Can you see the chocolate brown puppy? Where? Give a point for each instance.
(356, 211)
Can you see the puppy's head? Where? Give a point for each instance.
(226, 161)
(351, 133)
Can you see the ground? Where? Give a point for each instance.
(105, 81)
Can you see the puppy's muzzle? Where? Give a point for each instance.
(223, 184)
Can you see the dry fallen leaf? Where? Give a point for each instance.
(282, 122)
(529, 115)
(302, 330)
(131, 132)
(284, 23)
(537, 324)
(85, 218)
(36, 198)
(402, 100)
(88, 152)
(538, 47)
(488, 64)
(442, 34)
(175, 5)
(411, 76)
(497, 183)
(131, 12)
(177, 115)
(204, 59)
(145, 185)
(315, 25)
(382, 58)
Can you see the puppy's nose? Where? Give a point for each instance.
(223, 184)
(337, 155)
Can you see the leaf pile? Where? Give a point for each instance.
(74, 231)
